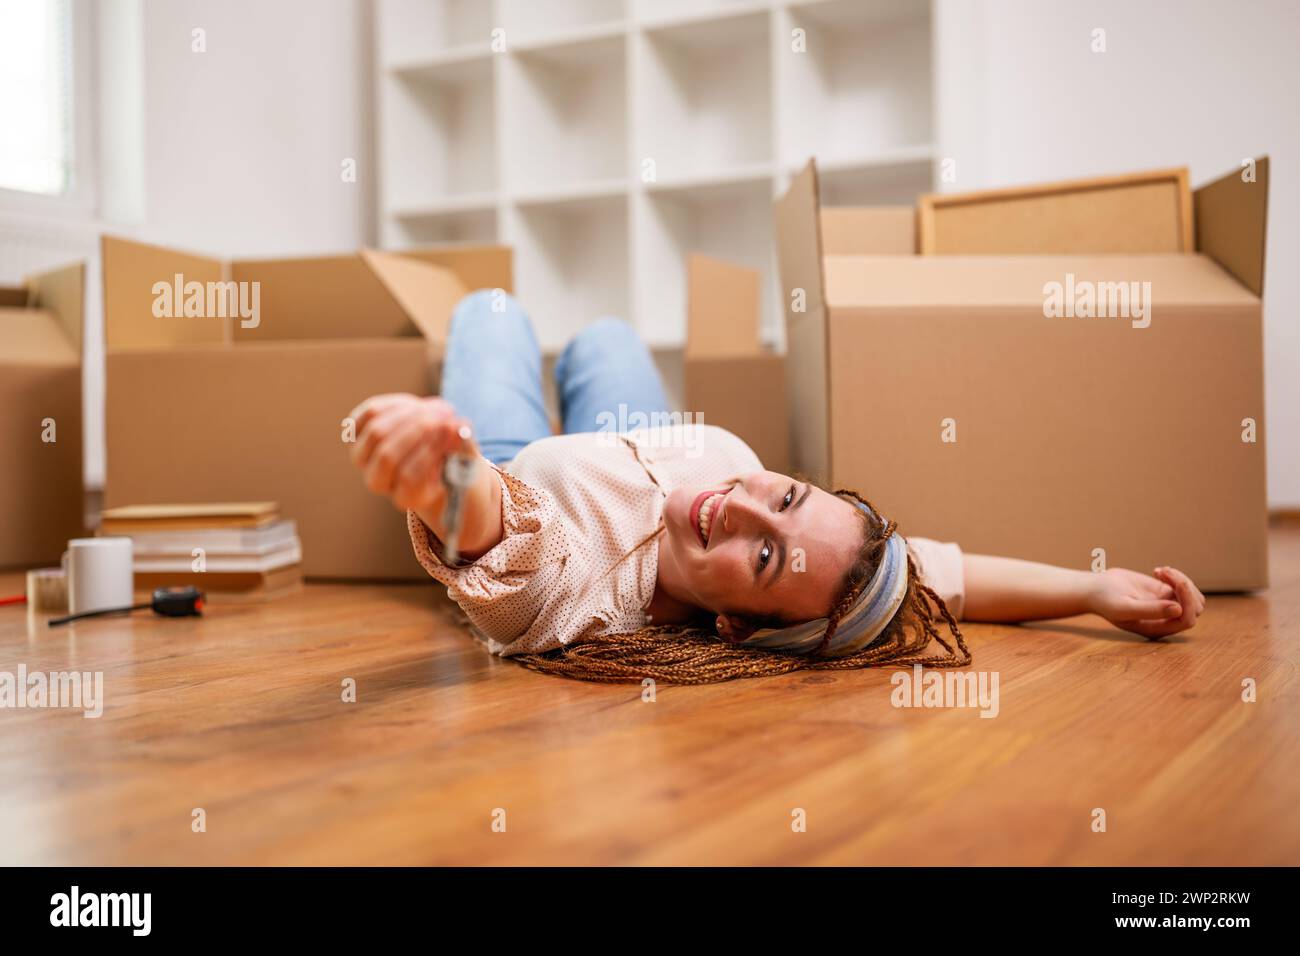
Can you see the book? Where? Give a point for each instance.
(236, 582)
(220, 563)
(217, 541)
(148, 518)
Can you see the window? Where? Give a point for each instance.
(36, 133)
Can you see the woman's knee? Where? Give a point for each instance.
(603, 339)
(492, 313)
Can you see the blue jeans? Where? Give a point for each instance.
(492, 374)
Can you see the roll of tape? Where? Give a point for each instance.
(47, 591)
(99, 574)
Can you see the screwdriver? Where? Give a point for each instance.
(169, 602)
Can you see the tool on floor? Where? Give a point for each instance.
(458, 477)
(184, 601)
(47, 592)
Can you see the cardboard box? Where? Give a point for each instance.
(42, 495)
(1071, 433)
(1147, 212)
(729, 378)
(210, 408)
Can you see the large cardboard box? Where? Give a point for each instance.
(225, 406)
(966, 398)
(42, 499)
(730, 379)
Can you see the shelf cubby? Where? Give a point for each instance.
(470, 224)
(564, 110)
(704, 104)
(731, 221)
(439, 133)
(663, 12)
(532, 21)
(857, 78)
(883, 183)
(413, 30)
(529, 122)
(571, 262)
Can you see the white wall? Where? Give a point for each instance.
(244, 143)
(233, 151)
(1021, 98)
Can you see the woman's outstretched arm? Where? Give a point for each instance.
(1008, 589)
(402, 443)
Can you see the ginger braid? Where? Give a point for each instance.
(676, 654)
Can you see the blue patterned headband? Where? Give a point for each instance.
(871, 613)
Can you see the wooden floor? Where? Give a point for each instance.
(240, 714)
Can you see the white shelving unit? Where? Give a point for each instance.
(607, 139)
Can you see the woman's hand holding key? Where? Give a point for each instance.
(403, 447)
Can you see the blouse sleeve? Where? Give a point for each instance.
(505, 590)
(940, 566)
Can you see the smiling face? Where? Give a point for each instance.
(762, 545)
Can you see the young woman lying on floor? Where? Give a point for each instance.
(670, 553)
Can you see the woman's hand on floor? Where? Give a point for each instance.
(1151, 606)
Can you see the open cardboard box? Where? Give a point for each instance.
(1072, 434)
(242, 407)
(42, 499)
(730, 379)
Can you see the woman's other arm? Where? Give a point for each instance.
(1008, 589)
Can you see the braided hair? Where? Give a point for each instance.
(677, 654)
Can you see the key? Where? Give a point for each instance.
(457, 477)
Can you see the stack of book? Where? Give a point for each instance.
(241, 548)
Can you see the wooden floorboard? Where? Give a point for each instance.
(240, 714)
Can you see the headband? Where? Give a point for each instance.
(870, 614)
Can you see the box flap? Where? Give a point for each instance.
(868, 231)
(1136, 213)
(63, 292)
(1232, 223)
(13, 297)
(722, 309)
(975, 281)
(477, 266)
(746, 396)
(799, 257)
(428, 293)
(34, 337)
(41, 497)
(798, 241)
(140, 307)
(323, 297)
